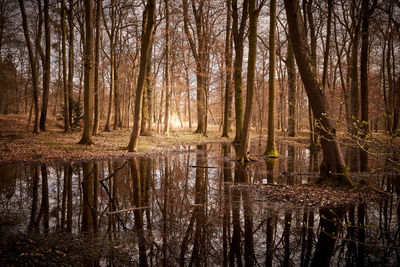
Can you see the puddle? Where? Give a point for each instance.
(186, 209)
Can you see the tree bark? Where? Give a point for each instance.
(46, 67)
(327, 45)
(313, 39)
(96, 71)
(88, 76)
(71, 57)
(167, 70)
(67, 123)
(270, 150)
(354, 93)
(238, 37)
(149, 12)
(291, 70)
(228, 71)
(333, 166)
(243, 151)
(34, 68)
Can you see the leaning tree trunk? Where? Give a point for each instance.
(88, 76)
(308, 13)
(271, 151)
(149, 12)
(34, 69)
(332, 165)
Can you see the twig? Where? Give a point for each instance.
(128, 209)
(205, 167)
(112, 174)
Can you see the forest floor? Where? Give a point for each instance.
(18, 145)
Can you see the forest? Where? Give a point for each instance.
(106, 100)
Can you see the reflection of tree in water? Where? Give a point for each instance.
(330, 222)
(198, 216)
(238, 194)
(34, 222)
(137, 181)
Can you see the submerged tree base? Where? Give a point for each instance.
(272, 153)
(341, 178)
(245, 158)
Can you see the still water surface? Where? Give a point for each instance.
(183, 208)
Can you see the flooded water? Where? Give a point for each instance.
(185, 209)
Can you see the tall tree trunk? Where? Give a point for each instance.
(143, 127)
(199, 53)
(149, 12)
(96, 71)
(46, 67)
(33, 63)
(313, 39)
(354, 93)
(389, 115)
(364, 80)
(270, 150)
(291, 70)
(238, 37)
(167, 71)
(243, 151)
(327, 45)
(228, 71)
(188, 97)
(333, 165)
(149, 95)
(71, 57)
(88, 76)
(111, 36)
(67, 123)
(117, 106)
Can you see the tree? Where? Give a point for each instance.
(238, 37)
(242, 152)
(327, 44)
(270, 150)
(71, 57)
(67, 123)
(33, 63)
(167, 71)
(332, 166)
(88, 76)
(45, 63)
(198, 49)
(96, 70)
(148, 26)
(291, 70)
(354, 93)
(228, 71)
